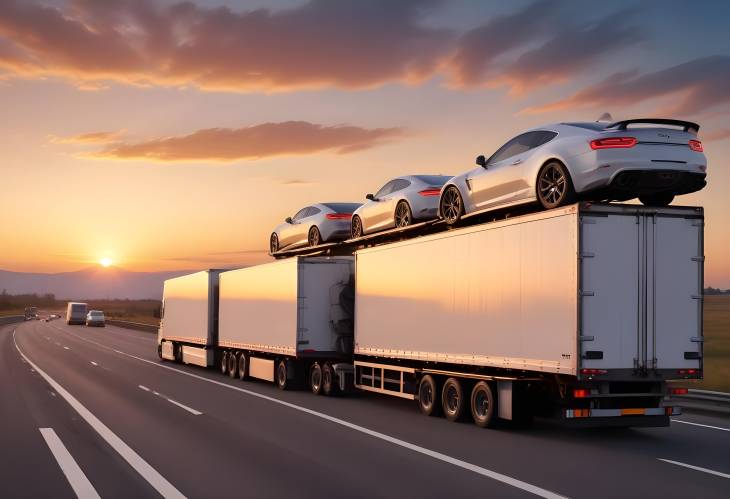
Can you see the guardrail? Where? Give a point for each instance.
(139, 326)
(705, 400)
(11, 319)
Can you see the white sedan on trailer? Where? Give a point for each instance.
(652, 159)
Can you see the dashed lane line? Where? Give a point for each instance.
(696, 468)
(75, 476)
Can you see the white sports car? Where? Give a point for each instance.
(652, 159)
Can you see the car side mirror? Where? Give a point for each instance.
(482, 161)
(370, 197)
(288, 220)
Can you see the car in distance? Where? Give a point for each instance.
(399, 203)
(76, 313)
(653, 159)
(95, 318)
(313, 225)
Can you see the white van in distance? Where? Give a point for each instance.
(76, 313)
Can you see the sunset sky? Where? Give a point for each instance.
(165, 135)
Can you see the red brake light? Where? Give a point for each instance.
(592, 372)
(430, 192)
(613, 143)
(687, 372)
(696, 145)
(581, 393)
(339, 216)
(678, 391)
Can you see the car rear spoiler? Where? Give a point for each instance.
(688, 126)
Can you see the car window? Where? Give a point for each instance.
(400, 184)
(543, 137)
(300, 214)
(385, 190)
(313, 210)
(516, 146)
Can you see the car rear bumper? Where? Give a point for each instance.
(654, 181)
(95, 323)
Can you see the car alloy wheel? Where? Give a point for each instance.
(274, 243)
(451, 205)
(356, 227)
(403, 216)
(553, 186)
(314, 237)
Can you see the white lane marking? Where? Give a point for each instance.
(382, 436)
(157, 481)
(696, 468)
(66, 348)
(94, 363)
(698, 424)
(175, 402)
(76, 478)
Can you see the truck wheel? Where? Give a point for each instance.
(224, 363)
(315, 378)
(243, 366)
(483, 405)
(177, 349)
(428, 396)
(282, 374)
(453, 400)
(329, 386)
(232, 365)
(159, 351)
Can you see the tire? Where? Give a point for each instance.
(451, 205)
(159, 351)
(329, 384)
(483, 405)
(658, 199)
(453, 402)
(177, 352)
(403, 216)
(282, 375)
(554, 186)
(232, 364)
(274, 243)
(242, 366)
(224, 363)
(314, 238)
(315, 378)
(356, 228)
(428, 396)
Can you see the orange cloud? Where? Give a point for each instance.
(255, 142)
(88, 138)
(721, 134)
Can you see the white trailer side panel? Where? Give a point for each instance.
(186, 309)
(501, 295)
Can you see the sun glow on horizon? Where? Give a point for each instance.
(105, 262)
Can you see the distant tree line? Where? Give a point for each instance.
(112, 308)
(716, 291)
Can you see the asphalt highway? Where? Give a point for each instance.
(93, 412)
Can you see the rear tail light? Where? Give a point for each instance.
(592, 372)
(613, 143)
(430, 192)
(339, 216)
(696, 145)
(678, 391)
(688, 372)
(581, 393)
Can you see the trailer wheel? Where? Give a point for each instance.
(224, 362)
(428, 396)
(159, 351)
(232, 365)
(242, 366)
(315, 378)
(282, 374)
(483, 405)
(329, 386)
(452, 399)
(177, 352)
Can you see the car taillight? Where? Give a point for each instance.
(678, 391)
(687, 372)
(430, 192)
(581, 393)
(613, 143)
(592, 372)
(339, 216)
(696, 145)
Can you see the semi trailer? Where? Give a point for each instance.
(582, 313)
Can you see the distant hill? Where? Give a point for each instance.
(91, 283)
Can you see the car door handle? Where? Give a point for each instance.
(517, 162)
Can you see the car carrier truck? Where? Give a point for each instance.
(581, 313)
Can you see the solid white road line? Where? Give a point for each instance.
(182, 406)
(76, 478)
(508, 480)
(697, 468)
(698, 424)
(157, 481)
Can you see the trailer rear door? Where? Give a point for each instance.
(641, 289)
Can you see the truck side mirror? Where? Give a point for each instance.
(370, 197)
(288, 220)
(482, 161)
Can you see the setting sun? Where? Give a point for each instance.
(105, 262)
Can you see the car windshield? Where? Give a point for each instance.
(96, 313)
(435, 180)
(342, 207)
